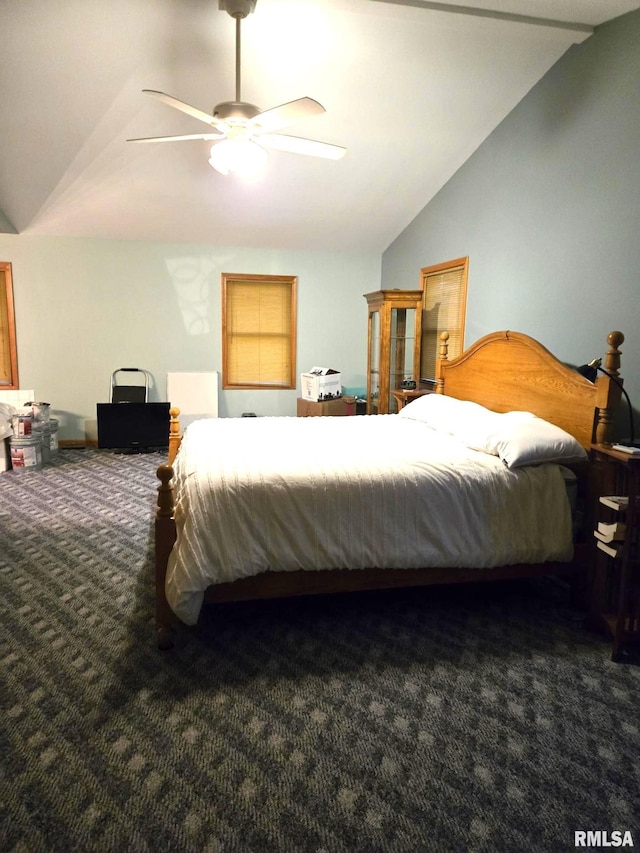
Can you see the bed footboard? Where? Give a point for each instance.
(165, 536)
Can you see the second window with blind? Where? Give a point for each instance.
(444, 289)
(258, 331)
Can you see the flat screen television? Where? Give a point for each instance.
(133, 427)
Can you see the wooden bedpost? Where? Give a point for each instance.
(443, 355)
(609, 389)
(165, 536)
(174, 434)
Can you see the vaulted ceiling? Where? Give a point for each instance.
(410, 87)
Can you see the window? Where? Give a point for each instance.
(444, 302)
(8, 349)
(258, 331)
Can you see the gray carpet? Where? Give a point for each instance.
(458, 719)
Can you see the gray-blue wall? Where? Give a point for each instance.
(548, 211)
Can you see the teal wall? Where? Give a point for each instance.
(548, 210)
(85, 307)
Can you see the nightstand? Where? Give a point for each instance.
(326, 408)
(404, 397)
(614, 588)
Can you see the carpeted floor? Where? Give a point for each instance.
(439, 720)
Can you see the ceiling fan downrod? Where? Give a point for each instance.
(238, 62)
(237, 109)
(238, 9)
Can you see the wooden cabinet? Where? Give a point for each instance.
(614, 586)
(326, 408)
(395, 328)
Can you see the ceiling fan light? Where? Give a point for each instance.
(242, 157)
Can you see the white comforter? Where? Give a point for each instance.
(260, 494)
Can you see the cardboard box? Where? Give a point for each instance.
(321, 383)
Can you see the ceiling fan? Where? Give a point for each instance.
(240, 131)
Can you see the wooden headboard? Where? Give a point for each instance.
(507, 371)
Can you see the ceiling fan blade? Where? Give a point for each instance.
(205, 136)
(297, 145)
(285, 115)
(180, 105)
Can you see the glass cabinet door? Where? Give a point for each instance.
(373, 379)
(401, 350)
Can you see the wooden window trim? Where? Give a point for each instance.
(11, 382)
(292, 281)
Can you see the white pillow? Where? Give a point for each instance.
(534, 441)
(518, 438)
(446, 414)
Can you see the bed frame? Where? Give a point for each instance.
(503, 371)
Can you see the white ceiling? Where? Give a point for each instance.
(410, 89)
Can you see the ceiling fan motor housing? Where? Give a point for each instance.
(239, 110)
(237, 8)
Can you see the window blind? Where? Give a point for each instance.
(259, 332)
(445, 289)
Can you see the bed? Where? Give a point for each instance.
(478, 481)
